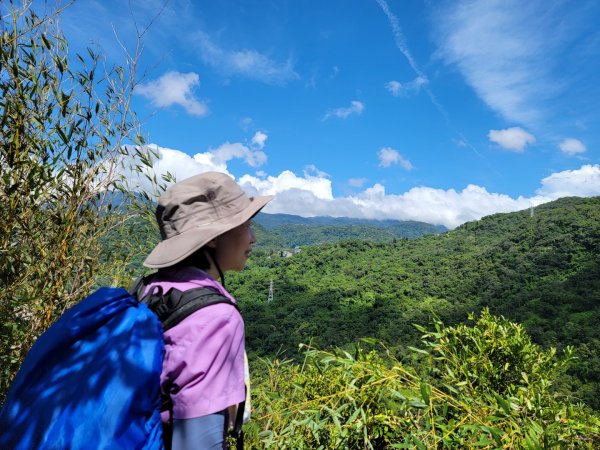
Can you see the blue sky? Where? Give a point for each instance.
(415, 109)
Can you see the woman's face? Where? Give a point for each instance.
(233, 247)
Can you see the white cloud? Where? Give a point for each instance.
(412, 87)
(395, 87)
(399, 35)
(572, 146)
(312, 193)
(247, 63)
(174, 88)
(505, 50)
(357, 182)
(582, 182)
(401, 44)
(388, 156)
(228, 151)
(313, 171)
(182, 166)
(259, 139)
(355, 107)
(514, 139)
(445, 207)
(165, 160)
(437, 206)
(318, 187)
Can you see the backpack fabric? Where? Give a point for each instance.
(92, 380)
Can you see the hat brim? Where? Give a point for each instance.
(175, 249)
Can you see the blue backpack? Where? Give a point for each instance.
(92, 380)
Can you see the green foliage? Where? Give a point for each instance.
(281, 231)
(495, 354)
(62, 230)
(541, 270)
(336, 399)
(64, 122)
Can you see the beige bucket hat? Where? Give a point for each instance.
(196, 210)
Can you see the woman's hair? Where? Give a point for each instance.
(202, 259)
(198, 259)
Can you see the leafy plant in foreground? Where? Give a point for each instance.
(493, 394)
(64, 123)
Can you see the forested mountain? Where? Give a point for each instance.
(288, 231)
(539, 267)
(476, 381)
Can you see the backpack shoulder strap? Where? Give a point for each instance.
(139, 286)
(175, 305)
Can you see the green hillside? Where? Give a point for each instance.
(289, 231)
(540, 269)
(473, 381)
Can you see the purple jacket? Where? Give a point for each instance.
(204, 354)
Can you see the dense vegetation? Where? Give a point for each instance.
(64, 120)
(480, 386)
(277, 231)
(477, 381)
(540, 269)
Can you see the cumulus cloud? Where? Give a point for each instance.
(247, 63)
(572, 146)
(317, 186)
(388, 156)
(166, 160)
(355, 107)
(445, 207)
(259, 139)
(438, 206)
(514, 139)
(582, 182)
(412, 87)
(313, 197)
(311, 194)
(229, 151)
(174, 88)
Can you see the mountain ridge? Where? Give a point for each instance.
(288, 231)
(542, 270)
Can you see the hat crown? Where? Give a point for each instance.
(200, 200)
(194, 211)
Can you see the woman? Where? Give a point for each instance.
(205, 228)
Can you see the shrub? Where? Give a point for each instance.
(64, 125)
(479, 386)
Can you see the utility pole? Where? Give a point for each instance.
(270, 298)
